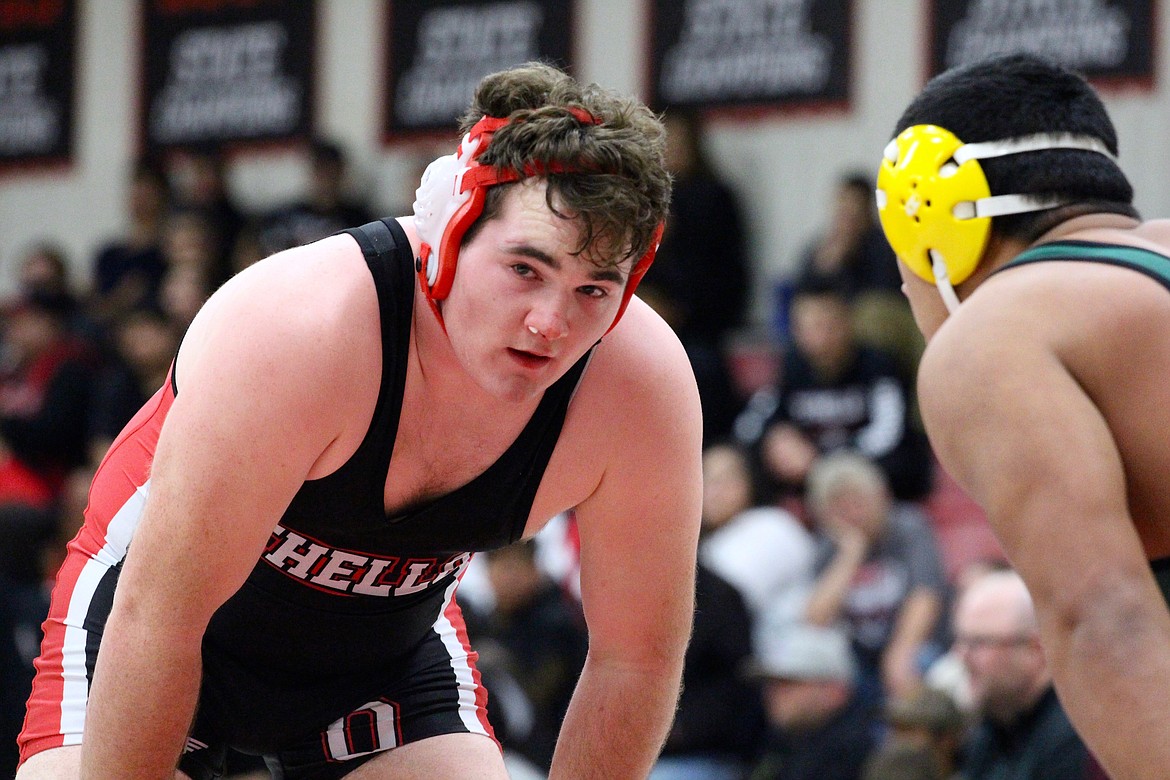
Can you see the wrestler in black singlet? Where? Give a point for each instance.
(347, 615)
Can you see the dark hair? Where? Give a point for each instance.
(1021, 94)
(623, 191)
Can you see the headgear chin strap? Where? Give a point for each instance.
(451, 197)
(935, 204)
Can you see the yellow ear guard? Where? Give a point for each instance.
(935, 204)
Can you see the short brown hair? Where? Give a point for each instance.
(617, 186)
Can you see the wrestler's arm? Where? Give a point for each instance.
(639, 533)
(256, 380)
(1017, 430)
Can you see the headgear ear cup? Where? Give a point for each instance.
(919, 187)
(637, 272)
(936, 206)
(444, 208)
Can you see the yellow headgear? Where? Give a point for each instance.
(935, 204)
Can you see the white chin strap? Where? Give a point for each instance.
(943, 282)
(1001, 205)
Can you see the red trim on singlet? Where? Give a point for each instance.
(454, 616)
(124, 469)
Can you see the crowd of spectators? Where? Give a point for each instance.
(824, 645)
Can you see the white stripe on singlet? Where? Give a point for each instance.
(464, 676)
(75, 691)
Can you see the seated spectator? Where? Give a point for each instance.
(44, 390)
(819, 729)
(878, 571)
(719, 721)
(200, 178)
(762, 550)
(324, 211)
(1023, 732)
(44, 272)
(535, 635)
(853, 253)
(44, 398)
(145, 343)
(700, 281)
(833, 394)
(128, 270)
(902, 761)
(931, 721)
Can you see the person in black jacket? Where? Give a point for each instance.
(1024, 733)
(835, 393)
(701, 280)
(719, 722)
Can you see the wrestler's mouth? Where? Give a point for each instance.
(529, 360)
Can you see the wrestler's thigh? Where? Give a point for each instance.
(466, 756)
(62, 763)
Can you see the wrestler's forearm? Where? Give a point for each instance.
(1111, 664)
(617, 722)
(145, 689)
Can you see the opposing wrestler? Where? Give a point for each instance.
(272, 546)
(1045, 301)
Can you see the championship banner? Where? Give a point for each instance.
(438, 50)
(38, 55)
(223, 71)
(737, 53)
(1106, 40)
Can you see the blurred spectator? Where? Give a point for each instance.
(902, 761)
(45, 387)
(184, 290)
(931, 721)
(853, 253)
(325, 211)
(199, 178)
(700, 279)
(44, 271)
(878, 571)
(145, 341)
(128, 270)
(819, 728)
(1023, 732)
(835, 393)
(188, 239)
(537, 637)
(948, 673)
(762, 550)
(719, 721)
(44, 391)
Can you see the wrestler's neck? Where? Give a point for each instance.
(1103, 228)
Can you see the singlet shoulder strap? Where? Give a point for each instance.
(1152, 264)
(390, 259)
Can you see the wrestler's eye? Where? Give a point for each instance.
(593, 291)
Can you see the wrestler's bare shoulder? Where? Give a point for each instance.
(315, 283)
(637, 409)
(641, 360)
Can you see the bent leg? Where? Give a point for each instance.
(60, 763)
(466, 756)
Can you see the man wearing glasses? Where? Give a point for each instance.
(1023, 732)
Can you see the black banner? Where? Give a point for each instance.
(216, 71)
(440, 49)
(38, 51)
(731, 53)
(1106, 40)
